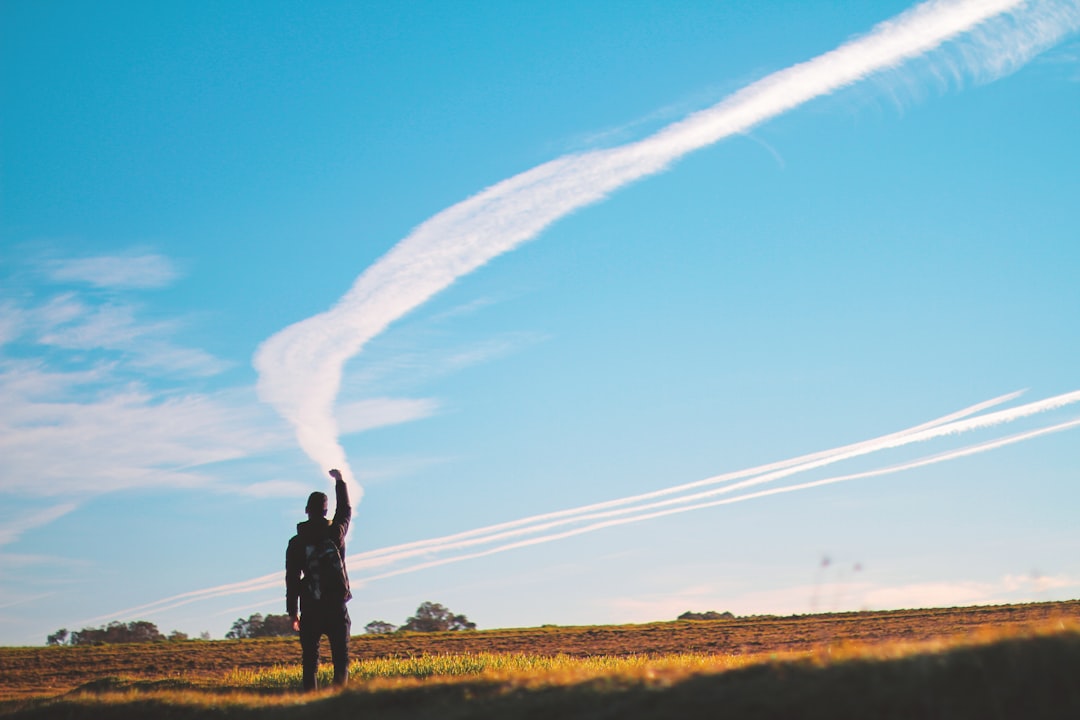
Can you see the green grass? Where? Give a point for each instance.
(491, 666)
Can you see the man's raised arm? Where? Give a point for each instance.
(343, 510)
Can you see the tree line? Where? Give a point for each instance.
(137, 631)
(429, 617)
(259, 625)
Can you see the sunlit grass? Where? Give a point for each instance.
(558, 669)
(524, 670)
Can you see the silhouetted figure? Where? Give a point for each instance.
(315, 577)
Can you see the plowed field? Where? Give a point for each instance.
(53, 670)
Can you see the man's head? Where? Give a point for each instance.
(316, 505)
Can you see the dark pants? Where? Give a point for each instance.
(333, 622)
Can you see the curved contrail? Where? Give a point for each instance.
(300, 367)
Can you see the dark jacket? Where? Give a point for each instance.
(308, 533)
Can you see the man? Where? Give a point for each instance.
(315, 577)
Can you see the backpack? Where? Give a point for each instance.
(324, 571)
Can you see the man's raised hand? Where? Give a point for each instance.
(336, 474)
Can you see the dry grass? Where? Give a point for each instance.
(1009, 661)
(49, 671)
(534, 671)
(1007, 671)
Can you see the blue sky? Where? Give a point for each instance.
(182, 182)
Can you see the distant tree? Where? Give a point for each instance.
(433, 617)
(117, 632)
(258, 626)
(708, 615)
(243, 629)
(58, 638)
(277, 626)
(379, 627)
(204, 635)
(177, 636)
(139, 631)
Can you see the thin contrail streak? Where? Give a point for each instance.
(922, 462)
(716, 479)
(300, 367)
(173, 601)
(859, 449)
(953, 423)
(435, 544)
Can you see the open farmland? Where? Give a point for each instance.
(987, 646)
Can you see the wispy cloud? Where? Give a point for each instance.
(89, 400)
(10, 560)
(125, 436)
(87, 432)
(381, 469)
(367, 414)
(68, 322)
(420, 358)
(273, 489)
(122, 272)
(300, 368)
(23, 599)
(12, 529)
(1067, 58)
(841, 595)
(119, 437)
(1038, 582)
(99, 321)
(10, 322)
(669, 605)
(89, 393)
(944, 593)
(71, 324)
(951, 593)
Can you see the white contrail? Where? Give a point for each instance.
(436, 543)
(852, 451)
(300, 367)
(173, 601)
(951, 424)
(922, 462)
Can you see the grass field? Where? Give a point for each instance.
(1018, 661)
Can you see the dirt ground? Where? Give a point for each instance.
(53, 670)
